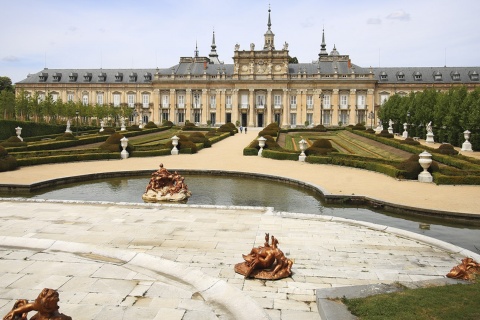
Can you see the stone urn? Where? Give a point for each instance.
(124, 143)
(175, 144)
(18, 131)
(303, 145)
(467, 146)
(425, 161)
(261, 144)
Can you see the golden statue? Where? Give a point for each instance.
(267, 262)
(46, 306)
(465, 270)
(166, 186)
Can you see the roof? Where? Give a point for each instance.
(427, 74)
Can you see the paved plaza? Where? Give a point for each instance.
(148, 261)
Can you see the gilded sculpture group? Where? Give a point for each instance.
(267, 262)
(166, 186)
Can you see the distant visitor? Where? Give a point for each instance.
(166, 186)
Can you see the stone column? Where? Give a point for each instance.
(352, 107)
(173, 103)
(285, 108)
(251, 103)
(317, 116)
(205, 108)
(235, 116)
(268, 108)
(188, 105)
(334, 106)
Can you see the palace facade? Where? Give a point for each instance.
(261, 86)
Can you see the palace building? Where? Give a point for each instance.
(261, 86)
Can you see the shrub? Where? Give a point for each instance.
(66, 136)
(228, 127)
(183, 144)
(358, 126)
(447, 148)
(189, 126)
(370, 130)
(13, 141)
(113, 144)
(198, 137)
(150, 125)
(7, 162)
(385, 134)
(320, 147)
(167, 123)
(108, 131)
(410, 141)
(320, 128)
(411, 167)
(271, 130)
(134, 127)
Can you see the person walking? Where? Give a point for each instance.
(245, 130)
(241, 129)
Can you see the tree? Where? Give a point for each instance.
(293, 60)
(7, 104)
(6, 84)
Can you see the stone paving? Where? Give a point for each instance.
(126, 261)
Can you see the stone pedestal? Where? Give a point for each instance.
(390, 130)
(467, 146)
(430, 138)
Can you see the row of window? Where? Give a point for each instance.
(437, 76)
(165, 100)
(87, 77)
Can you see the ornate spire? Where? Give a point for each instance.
(269, 24)
(213, 53)
(323, 50)
(269, 36)
(196, 49)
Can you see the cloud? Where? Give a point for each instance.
(399, 15)
(374, 21)
(10, 59)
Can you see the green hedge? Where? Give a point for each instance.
(67, 158)
(440, 178)
(151, 153)
(250, 152)
(460, 162)
(372, 166)
(278, 155)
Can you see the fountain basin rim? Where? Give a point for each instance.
(328, 198)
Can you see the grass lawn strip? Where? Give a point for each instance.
(450, 302)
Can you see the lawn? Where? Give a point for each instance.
(450, 302)
(346, 142)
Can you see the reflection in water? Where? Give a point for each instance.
(228, 191)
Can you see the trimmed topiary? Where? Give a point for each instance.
(320, 147)
(113, 144)
(7, 162)
(271, 130)
(183, 144)
(13, 141)
(198, 137)
(167, 123)
(150, 125)
(228, 127)
(411, 167)
(385, 134)
(66, 136)
(410, 141)
(370, 130)
(134, 127)
(320, 128)
(447, 148)
(358, 126)
(108, 131)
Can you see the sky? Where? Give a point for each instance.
(125, 34)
